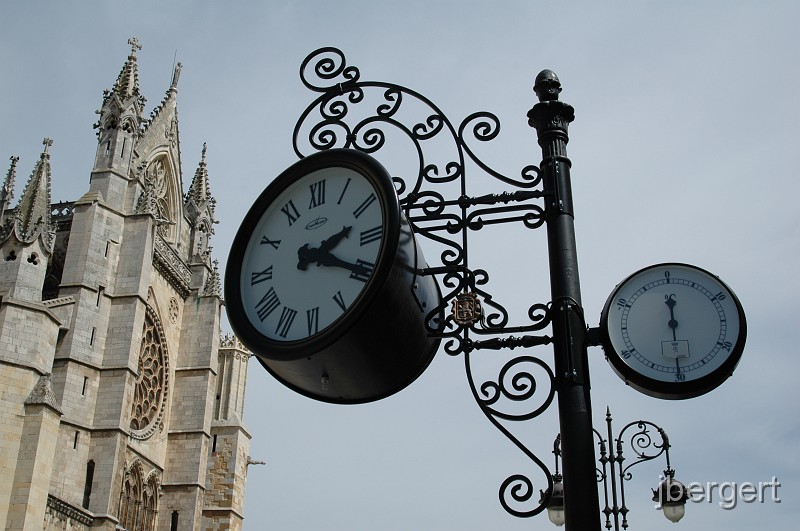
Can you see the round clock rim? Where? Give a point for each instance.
(671, 390)
(382, 183)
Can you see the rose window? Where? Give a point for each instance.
(151, 383)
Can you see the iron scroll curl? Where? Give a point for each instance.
(378, 117)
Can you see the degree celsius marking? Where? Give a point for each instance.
(673, 281)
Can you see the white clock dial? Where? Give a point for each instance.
(674, 324)
(311, 254)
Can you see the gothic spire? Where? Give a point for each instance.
(213, 287)
(199, 190)
(123, 104)
(199, 207)
(32, 215)
(127, 84)
(8, 186)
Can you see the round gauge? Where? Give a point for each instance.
(673, 330)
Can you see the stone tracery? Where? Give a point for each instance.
(151, 385)
(138, 505)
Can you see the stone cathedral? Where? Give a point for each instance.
(121, 402)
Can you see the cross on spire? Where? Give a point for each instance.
(47, 142)
(135, 45)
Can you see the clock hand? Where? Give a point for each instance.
(327, 259)
(671, 302)
(307, 255)
(333, 241)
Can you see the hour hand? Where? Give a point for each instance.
(321, 255)
(333, 241)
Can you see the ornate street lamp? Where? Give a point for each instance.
(671, 495)
(553, 498)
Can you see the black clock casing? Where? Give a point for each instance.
(379, 343)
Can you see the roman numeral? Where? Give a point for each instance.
(285, 322)
(273, 243)
(339, 202)
(261, 276)
(363, 206)
(267, 304)
(371, 235)
(317, 193)
(312, 316)
(340, 300)
(364, 271)
(291, 212)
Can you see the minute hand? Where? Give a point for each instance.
(327, 259)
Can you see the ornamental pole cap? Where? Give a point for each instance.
(547, 85)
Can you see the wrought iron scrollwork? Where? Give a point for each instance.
(372, 116)
(638, 437)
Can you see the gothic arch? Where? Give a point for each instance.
(138, 503)
(110, 123)
(129, 124)
(161, 180)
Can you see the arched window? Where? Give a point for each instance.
(131, 497)
(87, 488)
(159, 179)
(138, 507)
(150, 502)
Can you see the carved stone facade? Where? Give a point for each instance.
(122, 404)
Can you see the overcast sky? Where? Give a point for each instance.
(684, 148)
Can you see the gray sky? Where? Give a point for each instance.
(684, 149)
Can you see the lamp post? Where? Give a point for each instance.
(551, 118)
(670, 495)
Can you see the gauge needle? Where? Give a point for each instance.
(671, 302)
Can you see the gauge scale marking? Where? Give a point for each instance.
(673, 330)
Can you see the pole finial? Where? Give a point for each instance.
(547, 85)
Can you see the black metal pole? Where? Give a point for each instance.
(551, 118)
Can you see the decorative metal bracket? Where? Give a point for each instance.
(371, 116)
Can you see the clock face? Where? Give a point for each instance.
(311, 253)
(673, 330)
(323, 281)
